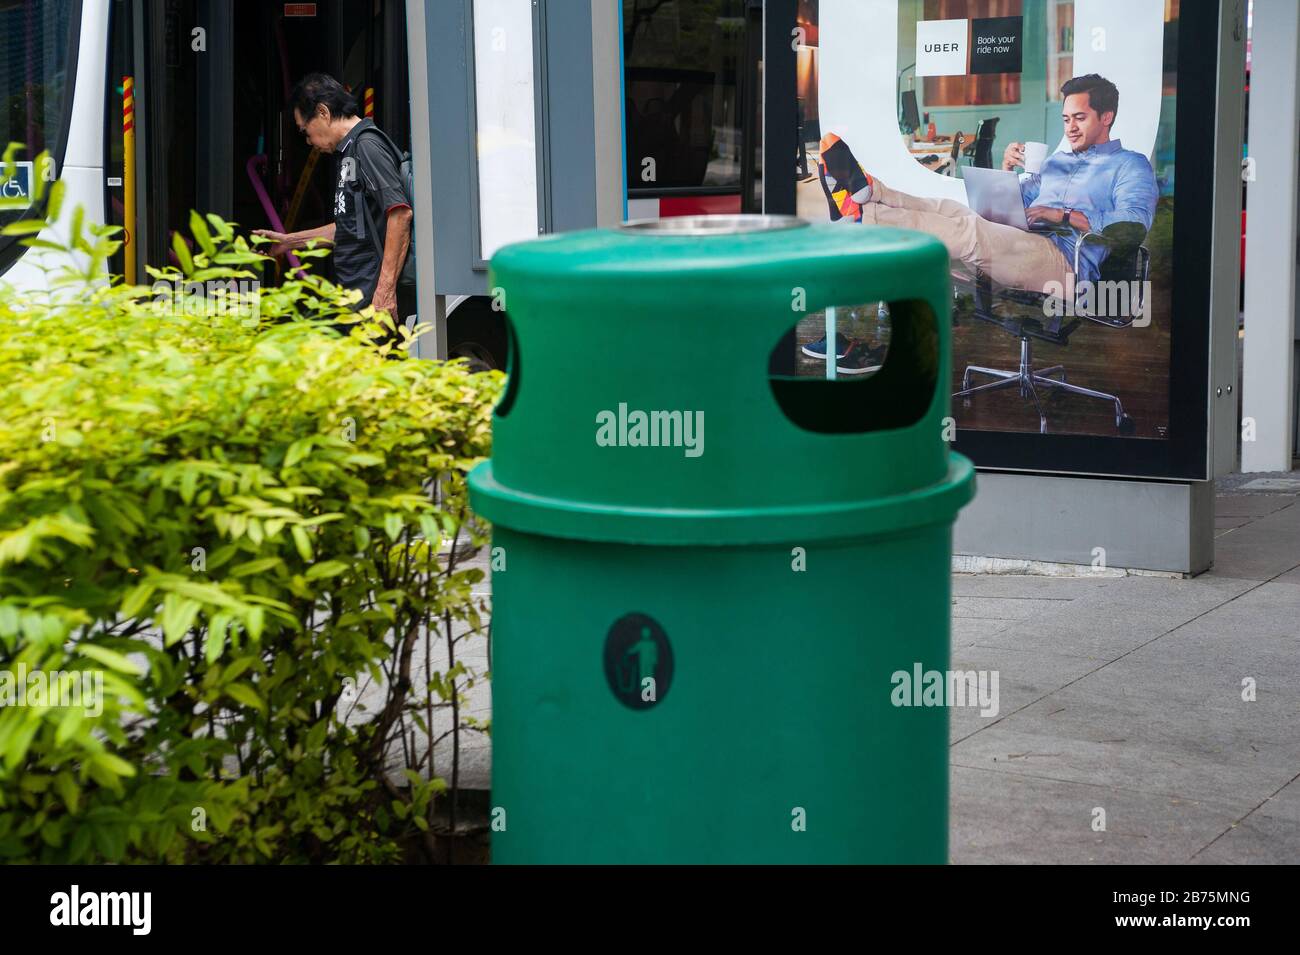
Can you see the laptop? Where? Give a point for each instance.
(994, 194)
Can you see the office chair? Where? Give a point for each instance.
(802, 154)
(955, 156)
(1128, 261)
(980, 151)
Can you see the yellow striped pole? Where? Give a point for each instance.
(369, 108)
(128, 176)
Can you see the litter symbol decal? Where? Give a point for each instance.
(638, 661)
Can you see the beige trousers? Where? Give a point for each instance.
(1023, 260)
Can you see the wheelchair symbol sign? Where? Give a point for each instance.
(18, 184)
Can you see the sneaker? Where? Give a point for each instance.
(817, 349)
(862, 359)
(841, 167)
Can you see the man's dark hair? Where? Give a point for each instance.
(1103, 95)
(316, 89)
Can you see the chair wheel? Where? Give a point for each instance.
(1126, 425)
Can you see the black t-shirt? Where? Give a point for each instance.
(366, 171)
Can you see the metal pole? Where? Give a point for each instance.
(128, 177)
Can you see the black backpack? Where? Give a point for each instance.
(405, 168)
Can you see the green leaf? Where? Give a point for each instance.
(76, 230)
(326, 568)
(215, 641)
(199, 229)
(178, 616)
(110, 658)
(297, 451)
(245, 694)
(259, 566)
(220, 226)
(301, 541)
(255, 620)
(68, 726)
(34, 243)
(24, 227)
(135, 599)
(182, 253)
(113, 764)
(68, 791)
(55, 206)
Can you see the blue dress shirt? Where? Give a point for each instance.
(1107, 183)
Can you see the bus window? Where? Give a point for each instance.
(36, 53)
(682, 67)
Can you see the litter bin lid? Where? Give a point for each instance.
(644, 403)
(712, 225)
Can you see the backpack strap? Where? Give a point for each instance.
(399, 158)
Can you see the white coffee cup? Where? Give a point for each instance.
(1035, 155)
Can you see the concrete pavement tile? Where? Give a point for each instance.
(1250, 505)
(1290, 577)
(1010, 818)
(1255, 635)
(1205, 694)
(1147, 741)
(1026, 586)
(967, 630)
(1261, 549)
(1256, 840)
(1024, 676)
(1261, 622)
(1228, 523)
(1125, 614)
(1002, 608)
(1285, 804)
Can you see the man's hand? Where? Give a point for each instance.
(1046, 215)
(385, 299)
(284, 242)
(1013, 155)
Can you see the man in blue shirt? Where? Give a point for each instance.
(1095, 185)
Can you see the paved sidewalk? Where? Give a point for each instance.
(1124, 694)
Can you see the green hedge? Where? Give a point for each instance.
(232, 516)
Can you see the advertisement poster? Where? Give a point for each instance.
(1036, 140)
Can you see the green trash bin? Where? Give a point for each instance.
(709, 570)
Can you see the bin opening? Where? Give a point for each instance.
(513, 370)
(885, 373)
(712, 225)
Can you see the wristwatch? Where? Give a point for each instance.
(1065, 216)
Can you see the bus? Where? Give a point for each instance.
(202, 86)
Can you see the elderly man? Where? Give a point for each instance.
(370, 199)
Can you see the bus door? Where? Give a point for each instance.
(214, 129)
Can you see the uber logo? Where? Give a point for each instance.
(941, 47)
